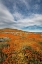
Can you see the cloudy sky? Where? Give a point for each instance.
(21, 14)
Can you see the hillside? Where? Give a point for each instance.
(20, 47)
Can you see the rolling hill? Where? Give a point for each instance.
(20, 47)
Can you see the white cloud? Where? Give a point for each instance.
(17, 15)
(39, 1)
(5, 15)
(26, 3)
(34, 19)
(36, 6)
(8, 20)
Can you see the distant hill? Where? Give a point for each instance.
(17, 30)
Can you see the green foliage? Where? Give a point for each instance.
(26, 47)
(4, 45)
(40, 43)
(5, 39)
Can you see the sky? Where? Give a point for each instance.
(21, 14)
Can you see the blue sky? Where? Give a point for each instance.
(21, 14)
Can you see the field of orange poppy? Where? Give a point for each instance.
(20, 47)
